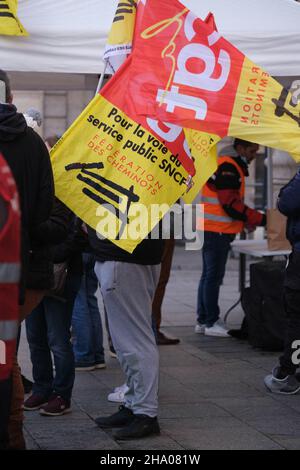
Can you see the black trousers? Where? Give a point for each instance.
(288, 361)
(5, 402)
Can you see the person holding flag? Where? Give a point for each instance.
(128, 282)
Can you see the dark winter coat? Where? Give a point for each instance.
(289, 205)
(47, 236)
(28, 158)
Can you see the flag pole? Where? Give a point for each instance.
(101, 79)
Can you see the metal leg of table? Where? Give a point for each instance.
(242, 284)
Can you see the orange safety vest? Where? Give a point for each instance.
(9, 269)
(215, 218)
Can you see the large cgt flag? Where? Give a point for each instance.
(125, 26)
(192, 77)
(10, 25)
(199, 146)
(115, 172)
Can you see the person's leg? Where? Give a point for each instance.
(42, 367)
(15, 427)
(215, 253)
(16, 418)
(292, 306)
(201, 313)
(82, 325)
(5, 404)
(161, 338)
(164, 276)
(32, 300)
(128, 291)
(94, 313)
(59, 317)
(110, 343)
(292, 301)
(283, 379)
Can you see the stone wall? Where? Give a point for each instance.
(60, 98)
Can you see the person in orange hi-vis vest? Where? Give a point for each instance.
(9, 289)
(225, 215)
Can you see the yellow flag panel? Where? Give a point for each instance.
(10, 25)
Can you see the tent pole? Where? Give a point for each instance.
(270, 196)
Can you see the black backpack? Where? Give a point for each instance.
(263, 304)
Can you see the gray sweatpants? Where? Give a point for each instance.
(128, 290)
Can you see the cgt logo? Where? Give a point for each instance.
(296, 354)
(214, 72)
(2, 353)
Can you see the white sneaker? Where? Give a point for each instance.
(200, 329)
(218, 329)
(117, 396)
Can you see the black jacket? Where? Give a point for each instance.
(72, 247)
(148, 252)
(46, 237)
(29, 160)
(289, 205)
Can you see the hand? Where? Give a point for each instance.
(250, 228)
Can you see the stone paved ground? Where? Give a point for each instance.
(211, 390)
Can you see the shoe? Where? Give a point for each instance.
(27, 384)
(118, 394)
(141, 426)
(84, 368)
(35, 402)
(112, 352)
(285, 386)
(162, 339)
(238, 334)
(218, 329)
(123, 417)
(200, 329)
(56, 406)
(100, 365)
(279, 375)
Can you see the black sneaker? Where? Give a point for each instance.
(141, 426)
(238, 334)
(123, 417)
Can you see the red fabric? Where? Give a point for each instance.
(231, 197)
(254, 218)
(9, 253)
(176, 56)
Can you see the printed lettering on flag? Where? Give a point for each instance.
(195, 147)
(190, 76)
(185, 72)
(108, 166)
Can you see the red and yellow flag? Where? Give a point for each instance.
(120, 38)
(190, 76)
(118, 174)
(10, 24)
(193, 145)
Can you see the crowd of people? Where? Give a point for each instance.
(63, 262)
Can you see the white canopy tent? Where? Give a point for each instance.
(68, 36)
